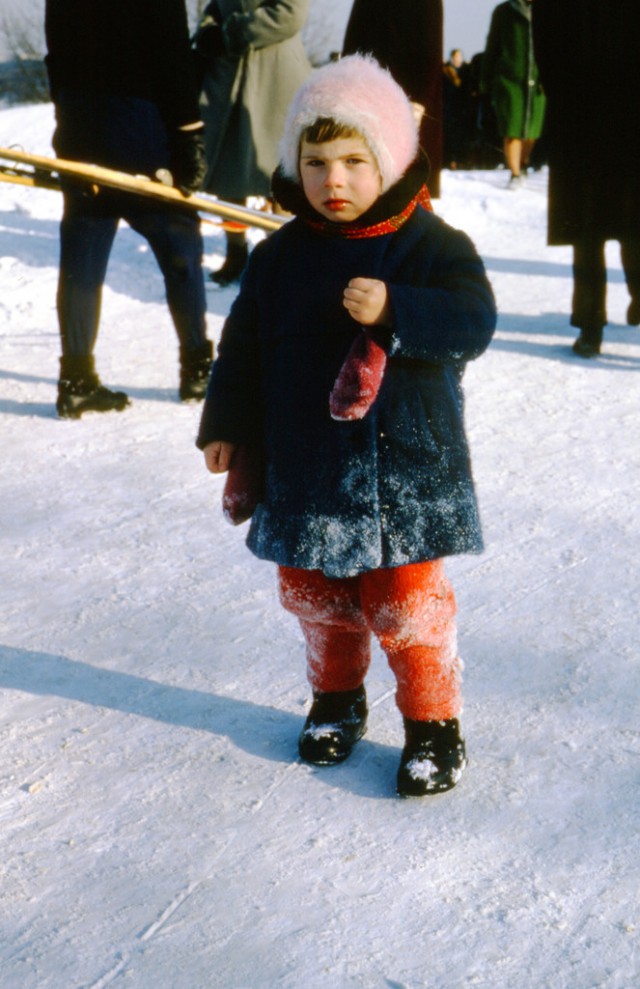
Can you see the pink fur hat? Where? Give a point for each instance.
(359, 93)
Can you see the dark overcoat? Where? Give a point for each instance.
(247, 86)
(124, 49)
(510, 76)
(395, 487)
(406, 37)
(587, 55)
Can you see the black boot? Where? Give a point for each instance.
(433, 757)
(234, 263)
(589, 342)
(80, 390)
(195, 366)
(633, 312)
(334, 724)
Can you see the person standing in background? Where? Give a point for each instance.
(593, 147)
(406, 38)
(510, 80)
(457, 111)
(122, 80)
(252, 60)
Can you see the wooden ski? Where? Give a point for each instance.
(40, 171)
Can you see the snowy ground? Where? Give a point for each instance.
(158, 831)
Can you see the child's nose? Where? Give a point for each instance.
(335, 174)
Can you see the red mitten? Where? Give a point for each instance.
(244, 486)
(359, 380)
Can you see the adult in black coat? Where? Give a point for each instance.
(123, 83)
(457, 111)
(593, 88)
(406, 38)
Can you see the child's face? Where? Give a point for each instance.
(340, 178)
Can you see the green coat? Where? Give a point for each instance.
(510, 74)
(252, 68)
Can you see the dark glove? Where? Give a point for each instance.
(209, 42)
(187, 162)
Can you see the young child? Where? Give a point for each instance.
(358, 508)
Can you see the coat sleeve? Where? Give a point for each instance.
(232, 409)
(453, 317)
(272, 22)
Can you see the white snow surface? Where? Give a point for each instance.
(158, 830)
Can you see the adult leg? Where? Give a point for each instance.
(86, 238)
(237, 254)
(512, 148)
(630, 255)
(175, 239)
(87, 231)
(527, 150)
(588, 310)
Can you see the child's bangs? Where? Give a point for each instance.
(327, 129)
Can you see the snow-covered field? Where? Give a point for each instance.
(157, 829)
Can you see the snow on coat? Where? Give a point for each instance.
(395, 487)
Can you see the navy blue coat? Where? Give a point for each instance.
(390, 489)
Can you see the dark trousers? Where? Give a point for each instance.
(128, 134)
(87, 232)
(589, 308)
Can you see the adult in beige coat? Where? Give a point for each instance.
(252, 61)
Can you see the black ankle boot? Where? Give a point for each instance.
(195, 366)
(433, 757)
(80, 390)
(633, 312)
(589, 342)
(234, 263)
(334, 724)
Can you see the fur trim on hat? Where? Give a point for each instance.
(359, 93)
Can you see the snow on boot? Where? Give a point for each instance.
(433, 758)
(195, 367)
(358, 382)
(80, 390)
(334, 724)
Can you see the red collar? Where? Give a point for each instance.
(352, 231)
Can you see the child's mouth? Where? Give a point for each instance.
(335, 204)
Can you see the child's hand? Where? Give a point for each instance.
(217, 456)
(367, 300)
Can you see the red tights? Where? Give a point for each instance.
(411, 610)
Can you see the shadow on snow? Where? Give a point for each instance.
(261, 731)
